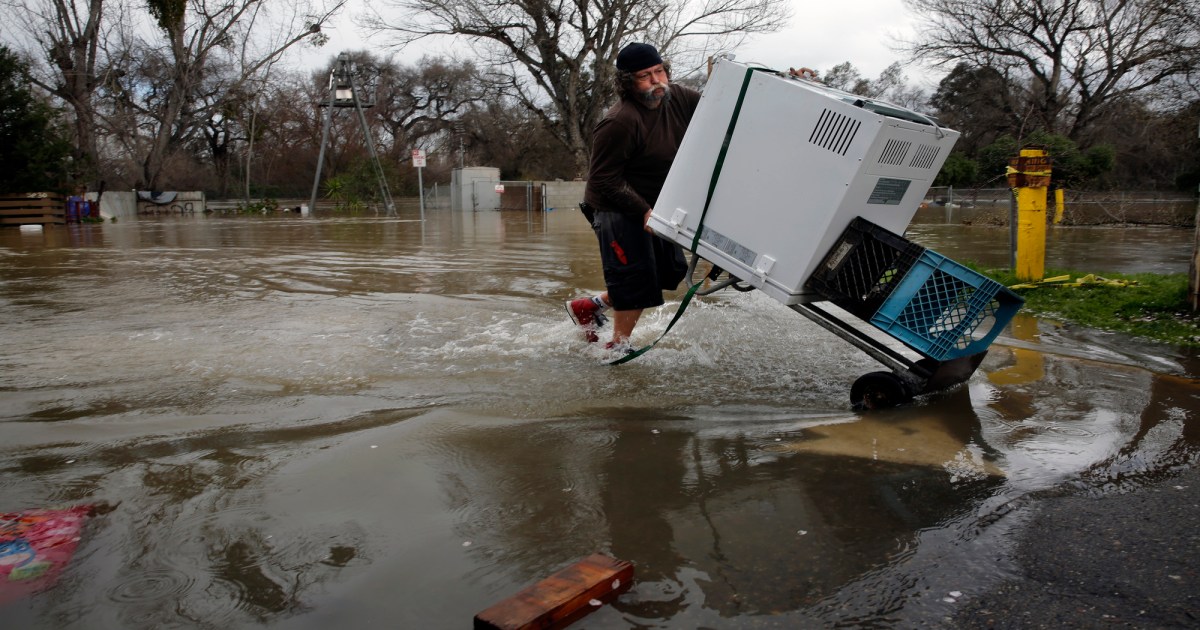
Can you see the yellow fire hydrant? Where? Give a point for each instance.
(1029, 174)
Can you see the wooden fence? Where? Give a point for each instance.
(32, 208)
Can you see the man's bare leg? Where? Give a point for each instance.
(623, 323)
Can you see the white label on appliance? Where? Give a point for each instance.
(725, 244)
(889, 191)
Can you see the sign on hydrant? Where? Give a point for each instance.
(1029, 175)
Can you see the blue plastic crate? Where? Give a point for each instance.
(940, 307)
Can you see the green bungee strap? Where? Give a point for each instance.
(712, 187)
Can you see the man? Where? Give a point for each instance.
(632, 150)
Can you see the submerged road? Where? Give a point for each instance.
(355, 421)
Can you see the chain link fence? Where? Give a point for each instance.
(993, 206)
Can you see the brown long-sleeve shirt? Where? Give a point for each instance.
(632, 150)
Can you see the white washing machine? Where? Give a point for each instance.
(777, 167)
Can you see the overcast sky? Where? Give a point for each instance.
(820, 36)
(825, 34)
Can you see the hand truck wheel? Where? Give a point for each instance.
(879, 390)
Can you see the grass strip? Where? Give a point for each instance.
(1147, 305)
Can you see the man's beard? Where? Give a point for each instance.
(650, 99)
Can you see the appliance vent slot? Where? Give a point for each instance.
(834, 132)
(925, 156)
(894, 152)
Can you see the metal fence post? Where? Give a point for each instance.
(1194, 269)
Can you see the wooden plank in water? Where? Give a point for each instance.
(562, 598)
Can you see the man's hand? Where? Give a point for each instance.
(803, 73)
(646, 221)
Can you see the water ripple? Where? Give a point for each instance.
(151, 585)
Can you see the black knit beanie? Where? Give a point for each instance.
(634, 57)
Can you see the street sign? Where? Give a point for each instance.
(418, 158)
(500, 188)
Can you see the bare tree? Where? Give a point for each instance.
(556, 57)
(507, 136)
(211, 50)
(892, 85)
(1073, 57)
(415, 102)
(284, 125)
(68, 34)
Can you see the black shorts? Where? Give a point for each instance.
(638, 265)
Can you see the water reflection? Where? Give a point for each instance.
(300, 422)
(770, 528)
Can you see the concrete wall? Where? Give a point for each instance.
(116, 203)
(125, 203)
(562, 195)
(472, 189)
(185, 202)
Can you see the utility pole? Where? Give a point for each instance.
(343, 93)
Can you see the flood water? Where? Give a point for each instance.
(1090, 249)
(377, 422)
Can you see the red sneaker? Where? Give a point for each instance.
(586, 315)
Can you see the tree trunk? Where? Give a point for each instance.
(73, 44)
(84, 151)
(582, 160)
(153, 164)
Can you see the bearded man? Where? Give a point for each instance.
(632, 150)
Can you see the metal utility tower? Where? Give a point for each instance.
(343, 93)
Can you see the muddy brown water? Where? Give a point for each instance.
(297, 422)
